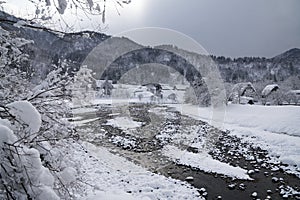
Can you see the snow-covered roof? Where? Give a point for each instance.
(239, 89)
(242, 87)
(268, 89)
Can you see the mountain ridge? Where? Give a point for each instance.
(50, 47)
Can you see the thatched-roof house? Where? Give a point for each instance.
(242, 91)
(271, 95)
(269, 89)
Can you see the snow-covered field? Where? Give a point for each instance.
(276, 119)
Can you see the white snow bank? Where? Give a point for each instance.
(204, 162)
(282, 147)
(27, 113)
(277, 119)
(112, 195)
(129, 181)
(124, 123)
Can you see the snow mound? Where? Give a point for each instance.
(27, 113)
(6, 135)
(124, 123)
(204, 162)
(40, 177)
(5, 122)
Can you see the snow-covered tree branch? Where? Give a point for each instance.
(32, 126)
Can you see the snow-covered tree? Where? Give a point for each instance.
(201, 92)
(32, 128)
(291, 97)
(22, 174)
(190, 96)
(82, 90)
(11, 59)
(50, 12)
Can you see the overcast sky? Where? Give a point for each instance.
(223, 27)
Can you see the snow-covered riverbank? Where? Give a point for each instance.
(109, 176)
(273, 128)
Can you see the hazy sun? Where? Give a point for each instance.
(136, 6)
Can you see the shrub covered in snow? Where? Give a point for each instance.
(32, 128)
(22, 174)
(82, 92)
